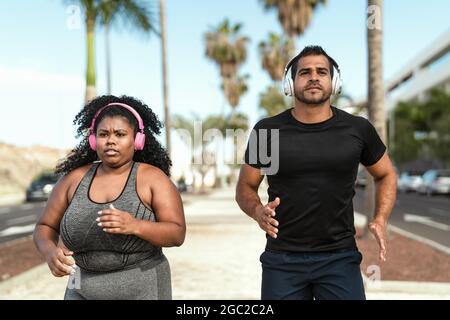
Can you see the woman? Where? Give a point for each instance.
(106, 221)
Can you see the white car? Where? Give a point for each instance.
(435, 182)
(409, 181)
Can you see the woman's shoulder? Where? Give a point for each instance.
(75, 176)
(68, 183)
(148, 169)
(81, 170)
(151, 172)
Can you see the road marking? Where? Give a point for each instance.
(17, 230)
(440, 212)
(5, 210)
(15, 221)
(413, 236)
(27, 206)
(426, 221)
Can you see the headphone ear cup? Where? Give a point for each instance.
(92, 142)
(139, 141)
(333, 85)
(336, 84)
(339, 85)
(288, 87)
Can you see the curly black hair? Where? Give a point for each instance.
(153, 152)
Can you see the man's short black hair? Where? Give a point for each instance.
(312, 51)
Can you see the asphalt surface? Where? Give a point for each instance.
(422, 215)
(18, 221)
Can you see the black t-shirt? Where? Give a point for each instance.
(314, 177)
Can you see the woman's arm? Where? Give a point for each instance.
(170, 227)
(46, 232)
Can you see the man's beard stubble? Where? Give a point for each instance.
(314, 101)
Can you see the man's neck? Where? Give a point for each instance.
(312, 113)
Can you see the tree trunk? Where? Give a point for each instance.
(90, 70)
(162, 19)
(108, 59)
(375, 101)
(294, 43)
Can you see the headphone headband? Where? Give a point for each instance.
(123, 105)
(336, 81)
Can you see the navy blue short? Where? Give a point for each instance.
(312, 275)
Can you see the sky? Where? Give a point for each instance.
(43, 58)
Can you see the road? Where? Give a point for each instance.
(18, 221)
(425, 216)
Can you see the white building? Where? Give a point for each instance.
(429, 69)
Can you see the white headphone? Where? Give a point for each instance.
(336, 84)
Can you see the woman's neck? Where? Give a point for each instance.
(119, 170)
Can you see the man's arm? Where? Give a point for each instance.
(386, 192)
(248, 200)
(247, 189)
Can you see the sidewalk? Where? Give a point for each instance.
(219, 260)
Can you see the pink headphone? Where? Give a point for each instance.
(139, 139)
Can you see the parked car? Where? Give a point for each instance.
(435, 182)
(361, 178)
(181, 185)
(41, 187)
(409, 181)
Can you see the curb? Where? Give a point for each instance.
(401, 290)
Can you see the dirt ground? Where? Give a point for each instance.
(407, 260)
(18, 256)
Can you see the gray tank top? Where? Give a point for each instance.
(99, 251)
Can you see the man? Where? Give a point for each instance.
(316, 148)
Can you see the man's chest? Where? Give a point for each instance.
(319, 151)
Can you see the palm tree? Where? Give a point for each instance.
(162, 20)
(109, 8)
(226, 47)
(134, 12)
(218, 122)
(375, 73)
(293, 15)
(275, 54)
(234, 88)
(272, 101)
(375, 101)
